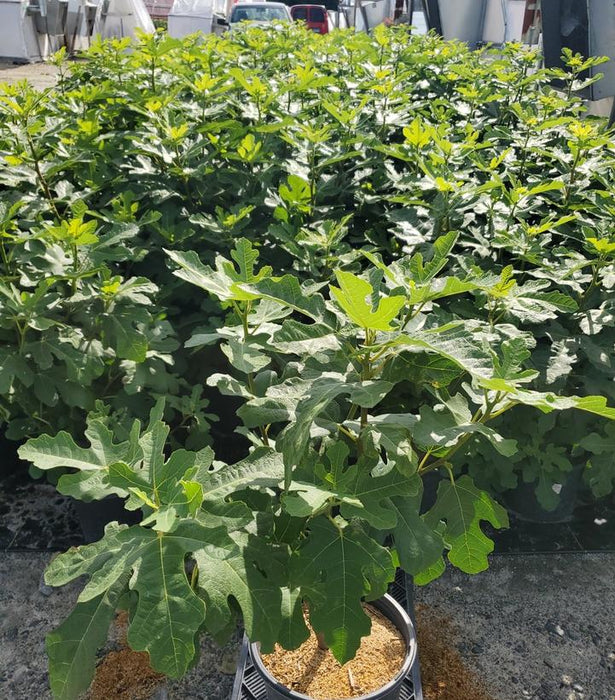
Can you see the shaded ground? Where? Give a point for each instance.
(533, 626)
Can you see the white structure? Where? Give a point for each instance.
(31, 30)
(477, 21)
(190, 16)
(364, 15)
(503, 21)
(116, 19)
(19, 39)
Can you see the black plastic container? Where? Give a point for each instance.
(523, 503)
(431, 482)
(93, 516)
(389, 607)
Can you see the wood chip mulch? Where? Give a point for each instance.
(444, 673)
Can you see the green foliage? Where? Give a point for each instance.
(74, 331)
(72, 647)
(362, 568)
(353, 238)
(352, 297)
(463, 507)
(327, 458)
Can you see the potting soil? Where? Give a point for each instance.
(315, 672)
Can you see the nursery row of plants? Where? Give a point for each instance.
(261, 285)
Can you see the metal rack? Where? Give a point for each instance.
(249, 686)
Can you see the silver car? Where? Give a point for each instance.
(259, 12)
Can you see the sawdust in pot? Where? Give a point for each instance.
(124, 674)
(315, 672)
(444, 673)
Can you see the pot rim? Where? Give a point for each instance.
(405, 626)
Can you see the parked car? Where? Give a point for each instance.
(315, 16)
(261, 12)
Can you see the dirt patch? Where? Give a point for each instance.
(121, 627)
(39, 75)
(444, 674)
(124, 674)
(315, 672)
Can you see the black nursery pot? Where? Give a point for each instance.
(93, 516)
(391, 609)
(522, 501)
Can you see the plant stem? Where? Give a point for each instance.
(243, 314)
(573, 173)
(75, 268)
(363, 418)
(346, 432)
(37, 168)
(194, 577)
(523, 159)
(592, 285)
(479, 417)
(312, 160)
(21, 335)
(423, 460)
(5, 259)
(366, 372)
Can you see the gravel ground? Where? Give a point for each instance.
(27, 615)
(40, 75)
(533, 626)
(538, 626)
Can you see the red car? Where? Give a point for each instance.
(315, 16)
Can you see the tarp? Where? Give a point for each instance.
(199, 8)
(120, 18)
(192, 8)
(189, 16)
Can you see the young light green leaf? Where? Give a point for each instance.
(548, 402)
(351, 295)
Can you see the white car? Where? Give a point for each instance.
(259, 12)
